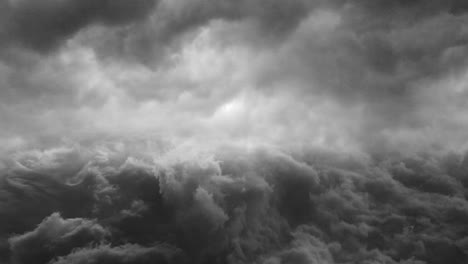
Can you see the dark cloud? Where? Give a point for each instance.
(44, 25)
(360, 107)
(264, 205)
(29, 197)
(125, 254)
(151, 41)
(378, 68)
(54, 237)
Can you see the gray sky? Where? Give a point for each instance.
(350, 75)
(233, 131)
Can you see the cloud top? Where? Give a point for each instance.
(239, 206)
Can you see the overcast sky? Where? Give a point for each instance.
(233, 131)
(351, 75)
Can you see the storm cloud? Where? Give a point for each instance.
(389, 74)
(44, 25)
(219, 131)
(239, 206)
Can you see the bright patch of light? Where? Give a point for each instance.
(231, 110)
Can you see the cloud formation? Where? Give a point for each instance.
(240, 206)
(122, 254)
(44, 25)
(237, 70)
(218, 131)
(55, 236)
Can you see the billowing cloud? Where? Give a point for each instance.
(219, 131)
(240, 70)
(54, 237)
(241, 206)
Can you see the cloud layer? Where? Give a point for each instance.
(233, 206)
(367, 75)
(219, 131)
